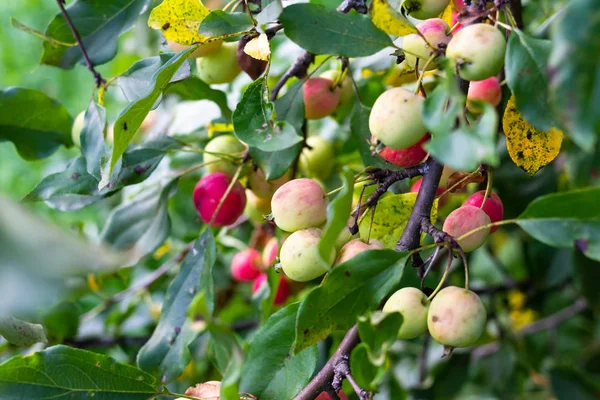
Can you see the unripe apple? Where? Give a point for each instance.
(354, 247)
(436, 31)
(270, 252)
(321, 98)
(413, 305)
(493, 206)
(396, 118)
(299, 256)
(326, 396)
(477, 51)
(299, 204)
(345, 236)
(262, 187)
(220, 66)
(77, 128)
(208, 193)
(201, 51)
(465, 219)
(408, 157)
(423, 9)
(456, 317)
(246, 265)
(487, 90)
(318, 160)
(438, 192)
(256, 208)
(344, 107)
(283, 290)
(224, 144)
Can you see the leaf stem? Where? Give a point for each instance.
(422, 74)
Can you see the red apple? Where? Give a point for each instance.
(487, 90)
(208, 193)
(326, 396)
(246, 265)
(270, 252)
(408, 157)
(493, 206)
(283, 290)
(321, 98)
(417, 185)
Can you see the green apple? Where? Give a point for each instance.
(220, 66)
(299, 255)
(318, 160)
(224, 144)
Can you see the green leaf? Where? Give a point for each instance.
(93, 147)
(131, 118)
(65, 372)
(320, 30)
(290, 106)
(224, 344)
(337, 217)
(273, 372)
(62, 320)
(222, 24)
(378, 332)
(359, 129)
(560, 219)
(99, 23)
(194, 88)
(362, 370)
(167, 349)
(35, 123)
(526, 67)
(21, 333)
(573, 69)
(271, 10)
(265, 296)
(253, 121)
(22, 27)
(586, 277)
(349, 290)
(568, 383)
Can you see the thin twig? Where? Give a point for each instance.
(298, 69)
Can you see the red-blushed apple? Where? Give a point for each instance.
(321, 98)
(208, 193)
(434, 37)
(246, 265)
(201, 51)
(220, 66)
(318, 159)
(438, 192)
(283, 290)
(493, 206)
(408, 157)
(466, 219)
(396, 118)
(354, 247)
(455, 22)
(298, 204)
(423, 9)
(477, 51)
(270, 252)
(262, 187)
(487, 90)
(344, 107)
(458, 4)
(326, 396)
(456, 317)
(413, 305)
(299, 255)
(216, 148)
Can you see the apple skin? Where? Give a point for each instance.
(201, 51)
(423, 9)
(246, 265)
(435, 30)
(408, 157)
(493, 206)
(298, 204)
(256, 208)
(220, 66)
(477, 51)
(441, 202)
(318, 160)
(262, 187)
(458, 4)
(487, 90)
(321, 98)
(208, 193)
(77, 128)
(355, 247)
(396, 118)
(344, 107)
(455, 22)
(225, 144)
(326, 396)
(270, 252)
(413, 305)
(299, 255)
(283, 290)
(456, 317)
(465, 219)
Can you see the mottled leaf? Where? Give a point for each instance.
(389, 20)
(179, 20)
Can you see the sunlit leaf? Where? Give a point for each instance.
(258, 48)
(389, 20)
(179, 20)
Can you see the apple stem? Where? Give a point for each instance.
(444, 276)
(234, 180)
(488, 188)
(422, 74)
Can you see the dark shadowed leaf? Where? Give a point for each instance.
(221, 24)
(568, 383)
(587, 275)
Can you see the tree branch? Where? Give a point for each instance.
(298, 69)
(97, 77)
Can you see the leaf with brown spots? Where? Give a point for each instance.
(179, 20)
(529, 148)
(389, 20)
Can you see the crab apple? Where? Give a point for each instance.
(438, 192)
(208, 193)
(299, 256)
(326, 396)
(465, 219)
(224, 144)
(408, 157)
(423, 9)
(487, 90)
(435, 31)
(344, 107)
(270, 251)
(345, 236)
(456, 317)
(256, 208)
(246, 265)
(298, 204)
(318, 158)
(396, 118)
(77, 128)
(262, 187)
(354, 247)
(220, 66)
(493, 206)
(477, 51)
(320, 98)
(413, 305)
(202, 50)
(283, 290)
(456, 22)
(458, 4)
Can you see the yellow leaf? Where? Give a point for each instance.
(179, 20)
(391, 216)
(446, 15)
(529, 148)
(258, 48)
(218, 127)
(389, 20)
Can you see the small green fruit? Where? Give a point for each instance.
(423, 9)
(435, 31)
(318, 160)
(299, 255)
(220, 66)
(413, 305)
(224, 144)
